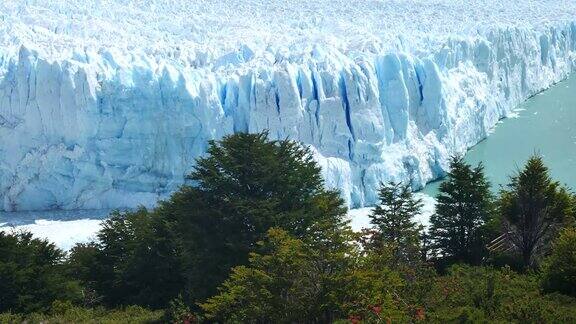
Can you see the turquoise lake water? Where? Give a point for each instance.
(544, 124)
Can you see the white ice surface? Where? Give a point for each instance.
(359, 217)
(107, 103)
(201, 31)
(64, 234)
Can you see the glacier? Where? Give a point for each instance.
(99, 114)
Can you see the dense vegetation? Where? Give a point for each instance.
(255, 237)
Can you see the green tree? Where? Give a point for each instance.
(179, 312)
(132, 262)
(369, 289)
(464, 206)
(84, 264)
(393, 219)
(560, 268)
(291, 281)
(281, 284)
(32, 274)
(270, 290)
(533, 208)
(243, 186)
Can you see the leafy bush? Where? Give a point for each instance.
(560, 268)
(287, 282)
(32, 274)
(481, 294)
(65, 313)
(179, 312)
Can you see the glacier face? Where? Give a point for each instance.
(106, 128)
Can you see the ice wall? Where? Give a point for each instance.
(106, 129)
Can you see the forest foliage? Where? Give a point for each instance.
(255, 236)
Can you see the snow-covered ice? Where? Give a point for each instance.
(63, 228)
(64, 234)
(359, 217)
(107, 103)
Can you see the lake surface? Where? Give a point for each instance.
(544, 124)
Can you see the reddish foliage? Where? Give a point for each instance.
(189, 319)
(419, 314)
(355, 319)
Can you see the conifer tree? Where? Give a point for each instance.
(533, 208)
(393, 219)
(463, 208)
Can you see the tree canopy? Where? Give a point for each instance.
(255, 237)
(31, 274)
(560, 267)
(533, 208)
(243, 186)
(393, 219)
(464, 206)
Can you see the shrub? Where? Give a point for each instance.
(64, 313)
(32, 274)
(559, 272)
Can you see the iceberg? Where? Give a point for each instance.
(109, 107)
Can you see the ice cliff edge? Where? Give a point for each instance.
(104, 129)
